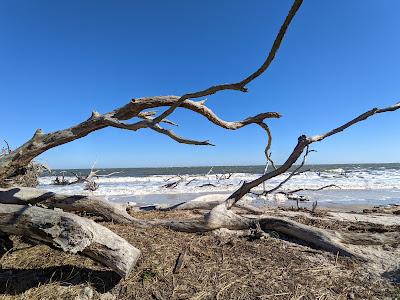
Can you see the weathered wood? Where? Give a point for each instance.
(70, 233)
(303, 143)
(388, 209)
(327, 240)
(222, 217)
(80, 203)
(13, 163)
(206, 202)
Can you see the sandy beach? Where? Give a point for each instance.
(199, 150)
(216, 266)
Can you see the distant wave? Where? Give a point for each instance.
(348, 178)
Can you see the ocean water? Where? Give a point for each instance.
(359, 183)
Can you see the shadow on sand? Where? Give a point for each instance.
(393, 275)
(17, 281)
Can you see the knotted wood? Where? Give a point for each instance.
(70, 233)
(97, 206)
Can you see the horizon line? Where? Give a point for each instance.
(217, 166)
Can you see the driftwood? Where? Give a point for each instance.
(70, 233)
(14, 163)
(218, 217)
(388, 209)
(75, 234)
(76, 203)
(188, 179)
(206, 202)
(221, 217)
(89, 180)
(303, 144)
(291, 195)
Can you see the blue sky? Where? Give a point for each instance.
(59, 60)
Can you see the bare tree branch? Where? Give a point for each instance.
(14, 164)
(11, 164)
(8, 147)
(293, 173)
(303, 143)
(268, 147)
(309, 189)
(177, 138)
(241, 85)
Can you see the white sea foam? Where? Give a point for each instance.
(356, 179)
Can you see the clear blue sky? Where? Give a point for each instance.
(59, 60)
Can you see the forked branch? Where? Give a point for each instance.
(303, 143)
(15, 162)
(241, 85)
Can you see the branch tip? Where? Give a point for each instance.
(38, 132)
(95, 115)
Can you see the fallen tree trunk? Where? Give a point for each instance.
(222, 217)
(205, 202)
(70, 233)
(80, 203)
(219, 216)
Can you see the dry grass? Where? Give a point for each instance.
(215, 268)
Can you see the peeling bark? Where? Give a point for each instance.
(75, 203)
(70, 233)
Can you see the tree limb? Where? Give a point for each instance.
(13, 163)
(241, 85)
(302, 143)
(309, 189)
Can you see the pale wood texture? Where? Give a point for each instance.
(72, 203)
(70, 233)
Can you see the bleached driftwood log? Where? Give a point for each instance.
(70, 233)
(72, 203)
(221, 217)
(205, 202)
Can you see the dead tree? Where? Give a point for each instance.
(222, 213)
(15, 162)
(70, 233)
(89, 180)
(93, 205)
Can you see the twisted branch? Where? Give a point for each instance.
(241, 85)
(302, 143)
(40, 142)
